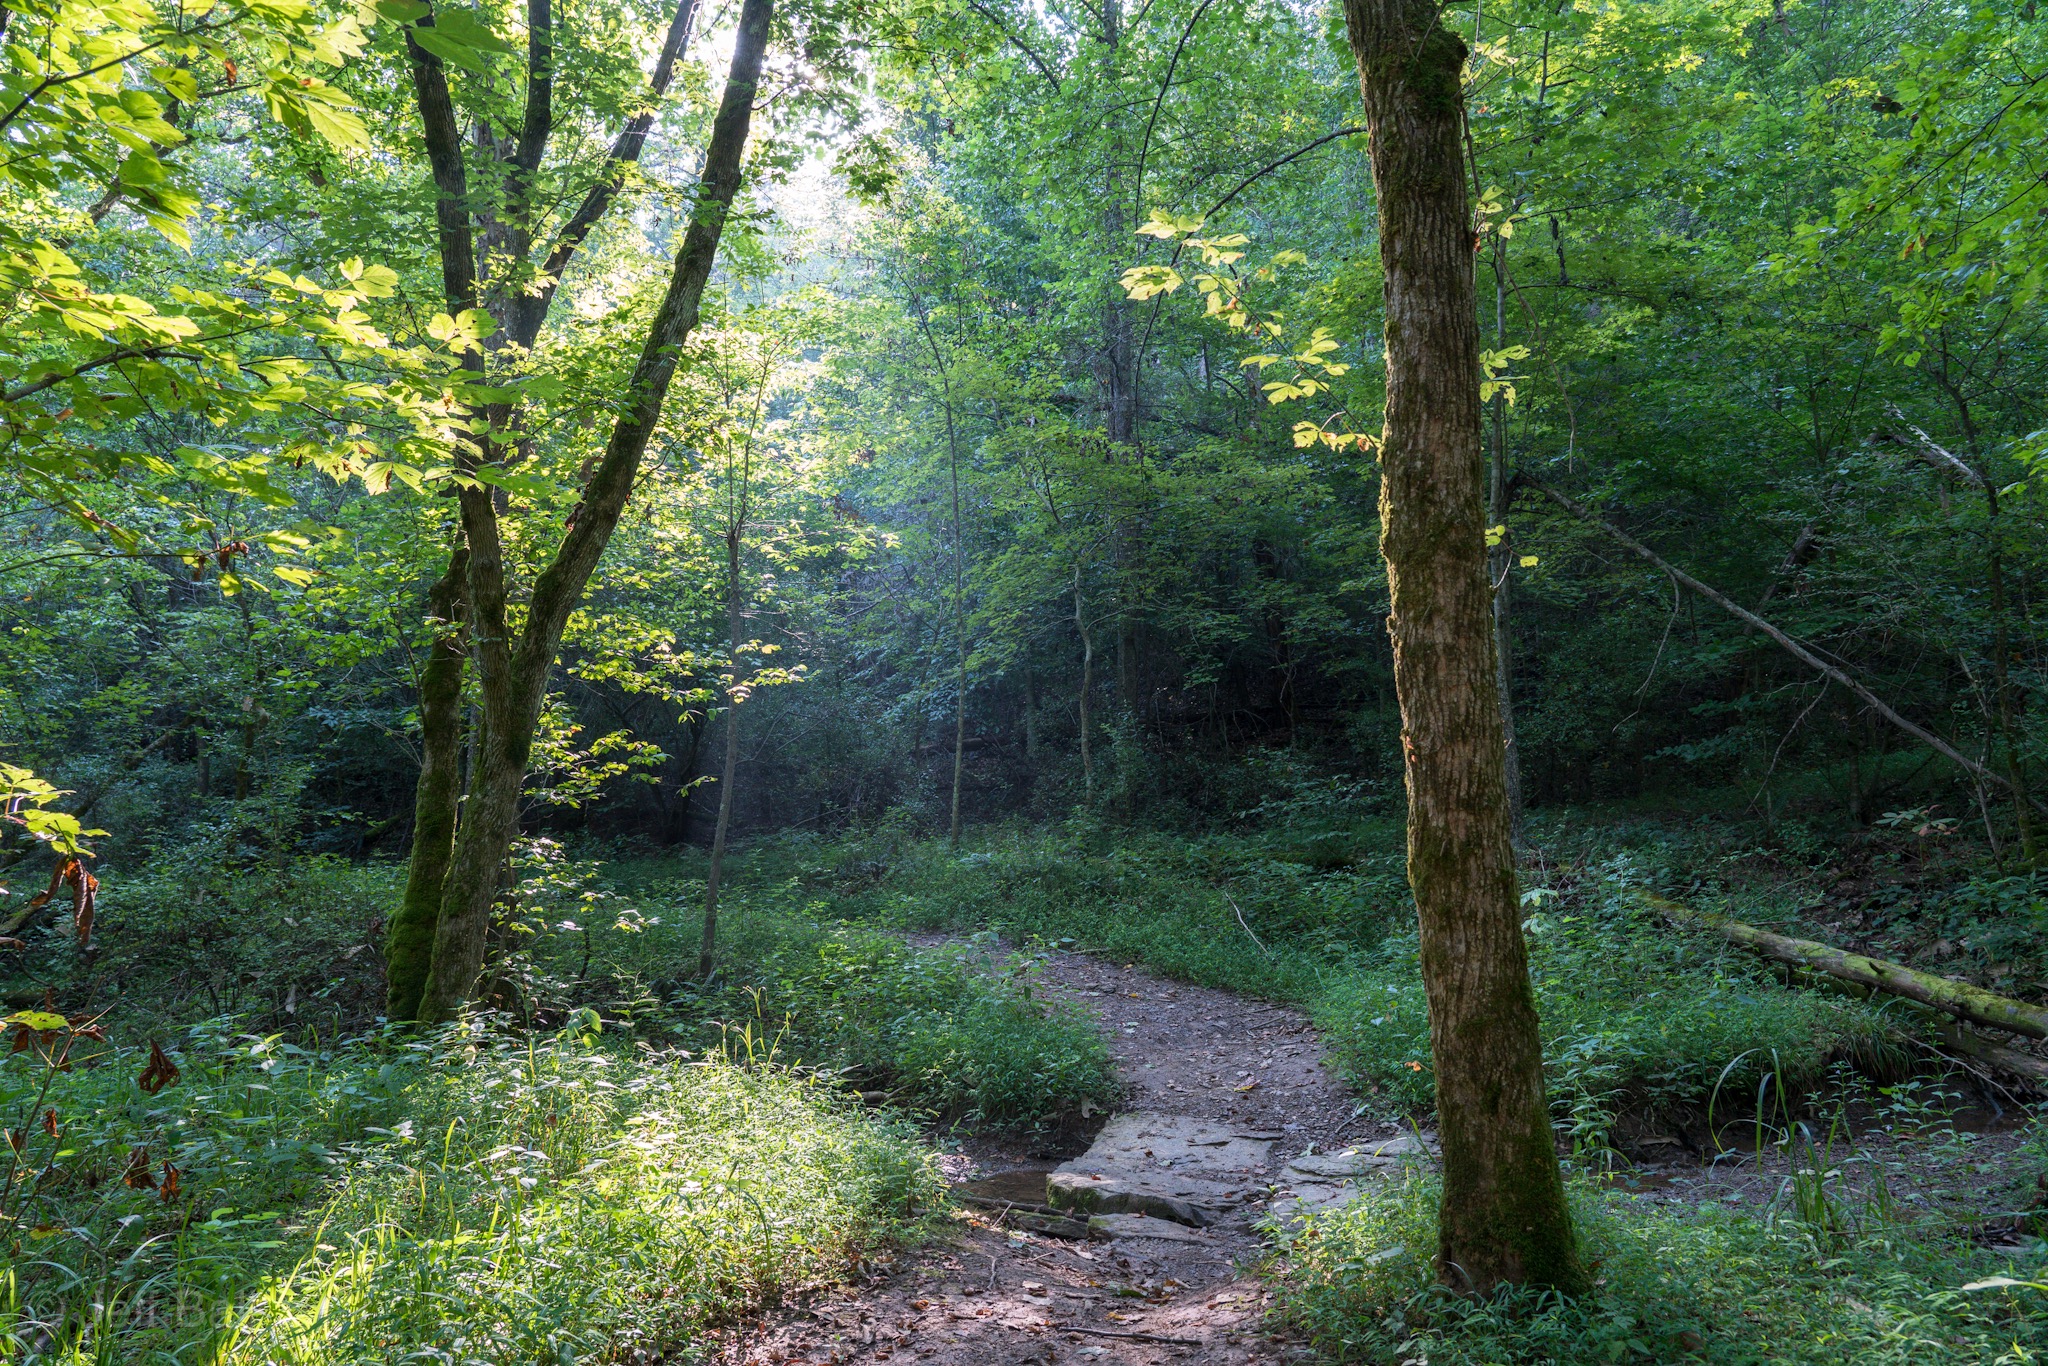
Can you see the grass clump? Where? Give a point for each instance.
(953, 1032)
(1706, 1285)
(946, 1029)
(1634, 1016)
(469, 1195)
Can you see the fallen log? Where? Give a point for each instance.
(1945, 994)
(1996, 1056)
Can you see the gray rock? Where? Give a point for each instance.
(1191, 1171)
(1177, 1143)
(1320, 1183)
(1353, 1162)
(1140, 1226)
(1162, 1194)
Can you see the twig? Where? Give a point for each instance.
(1241, 921)
(1134, 1337)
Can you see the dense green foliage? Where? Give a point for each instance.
(1019, 461)
(511, 1198)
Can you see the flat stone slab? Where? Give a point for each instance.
(1358, 1161)
(1177, 1143)
(1190, 1171)
(1322, 1183)
(1141, 1226)
(1189, 1200)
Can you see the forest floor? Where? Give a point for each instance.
(993, 1295)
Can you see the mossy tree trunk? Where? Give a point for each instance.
(512, 664)
(409, 937)
(1503, 1217)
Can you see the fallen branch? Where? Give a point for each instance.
(1241, 921)
(1945, 994)
(1798, 649)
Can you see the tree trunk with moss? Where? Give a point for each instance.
(409, 937)
(512, 664)
(1503, 1217)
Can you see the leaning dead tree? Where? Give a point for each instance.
(1792, 645)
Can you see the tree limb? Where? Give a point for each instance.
(1926, 448)
(529, 311)
(1959, 999)
(1799, 650)
(1003, 28)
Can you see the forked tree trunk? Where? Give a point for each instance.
(436, 802)
(1503, 1217)
(512, 675)
(409, 937)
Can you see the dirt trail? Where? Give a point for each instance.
(1003, 1296)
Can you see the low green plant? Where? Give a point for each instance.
(471, 1194)
(1635, 1016)
(1707, 1285)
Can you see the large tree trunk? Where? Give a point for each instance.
(512, 677)
(1503, 1216)
(409, 937)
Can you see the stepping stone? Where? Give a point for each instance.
(1321, 1183)
(1142, 1226)
(1191, 1171)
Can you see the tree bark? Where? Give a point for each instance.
(1087, 685)
(1503, 1217)
(959, 618)
(512, 676)
(437, 800)
(1119, 361)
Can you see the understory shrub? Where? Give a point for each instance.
(1634, 1013)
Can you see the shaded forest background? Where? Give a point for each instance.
(1739, 289)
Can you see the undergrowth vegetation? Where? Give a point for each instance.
(471, 1195)
(622, 1153)
(1706, 1285)
(1636, 1016)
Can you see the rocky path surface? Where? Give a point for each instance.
(1223, 1095)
